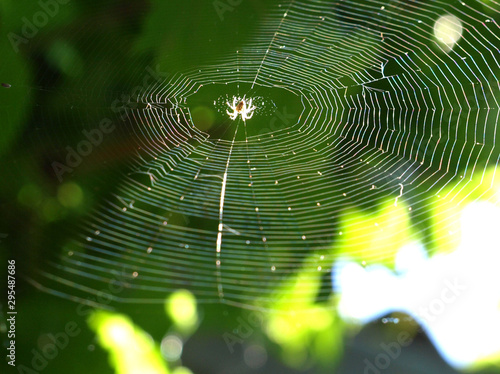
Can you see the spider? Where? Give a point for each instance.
(241, 108)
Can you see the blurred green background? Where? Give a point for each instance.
(64, 78)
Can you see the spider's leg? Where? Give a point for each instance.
(251, 107)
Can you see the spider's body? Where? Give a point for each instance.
(241, 107)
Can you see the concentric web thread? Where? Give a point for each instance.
(383, 112)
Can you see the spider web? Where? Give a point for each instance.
(366, 107)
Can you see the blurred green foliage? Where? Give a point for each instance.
(63, 79)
